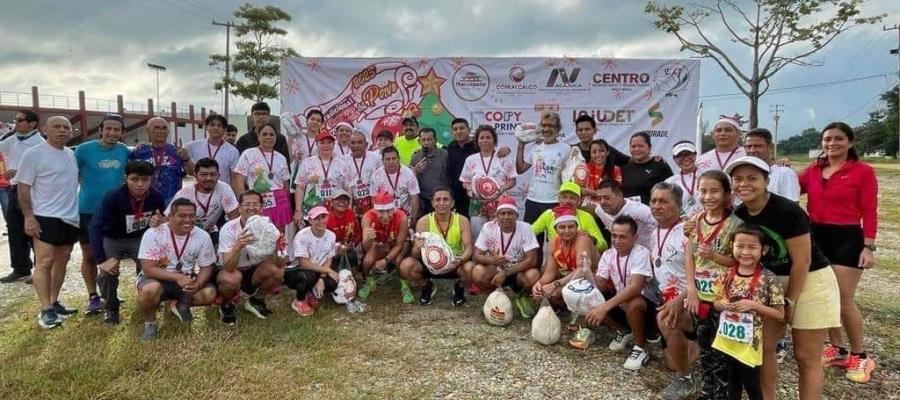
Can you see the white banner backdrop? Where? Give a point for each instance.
(624, 95)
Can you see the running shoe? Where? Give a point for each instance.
(182, 311)
(621, 340)
(227, 314)
(427, 295)
(680, 388)
(406, 292)
(859, 369)
(367, 287)
(151, 329)
(782, 350)
(459, 295)
(302, 307)
(49, 319)
(15, 276)
(312, 300)
(111, 317)
(637, 359)
(256, 306)
(64, 311)
(833, 357)
(654, 337)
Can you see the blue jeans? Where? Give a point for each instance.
(4, 200)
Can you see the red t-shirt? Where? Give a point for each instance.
(848, 197)
(345, 227)
(4, 183)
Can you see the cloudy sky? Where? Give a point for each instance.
(103, 46)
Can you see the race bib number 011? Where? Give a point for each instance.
(736, 326)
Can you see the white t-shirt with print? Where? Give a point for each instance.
(501, 169)
(406, 185)
(156, 245)
(338, 175)
(547, 162)
(53, 176)
(254, 163)
(225, 154)
(684, 181)
(637, 263)
(491, 239)
(670, 275)
(316, 249)
(221, 198)
(708, 161)
(641, 214)
(361, 170)
(228, 238)
(304, 146)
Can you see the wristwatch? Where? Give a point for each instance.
(871, 247)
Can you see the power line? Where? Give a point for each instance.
(795, 88)
(868, 103)
(214, 12)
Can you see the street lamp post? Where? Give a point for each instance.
(157, 68)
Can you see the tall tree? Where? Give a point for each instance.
(256, 68)
(777, 33)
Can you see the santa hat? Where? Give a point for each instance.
(733, 121)
(343, 123)
(383, 201)
(564, 214)
(507, 203)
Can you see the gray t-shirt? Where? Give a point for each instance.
(435, 173)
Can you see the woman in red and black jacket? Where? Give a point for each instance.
(842, 202)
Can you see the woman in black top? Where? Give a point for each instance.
(812, 300)
(642, 171)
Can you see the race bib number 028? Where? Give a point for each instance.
(736, 326)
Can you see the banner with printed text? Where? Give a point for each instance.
(625, 96)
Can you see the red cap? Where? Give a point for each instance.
(324, 135)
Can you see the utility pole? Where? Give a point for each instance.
(897, 52)
(778, 111)
(228, 26)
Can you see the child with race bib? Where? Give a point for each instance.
(746, 296)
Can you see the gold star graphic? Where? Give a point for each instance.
(431, 83)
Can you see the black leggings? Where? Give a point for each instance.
(742, 377)
(303, 280)
(713, 364)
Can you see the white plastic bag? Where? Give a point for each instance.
(265, 233)
(528, 132)
(498, 310)
(545, 327)
(485, 187)
(346, 286)
(436, 253)
(573, 160)
(581, 294)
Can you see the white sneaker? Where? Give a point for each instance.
(636, 359)
(621, 340)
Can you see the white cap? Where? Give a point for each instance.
(682, 147)
(748, 160)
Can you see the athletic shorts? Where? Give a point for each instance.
(84, 228)
(841, 244)
(650, 325)
(56, 232)
(170, 290)
(819, 304)
(430, 275)
(247, 285)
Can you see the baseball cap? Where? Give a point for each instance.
(748, 160)
(324, 135)
(683, 147)
(338, 192)
(317, 212)
(570, 187)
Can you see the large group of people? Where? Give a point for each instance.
(713, 261)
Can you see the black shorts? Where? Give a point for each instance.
(84, 228)
(841, 244)
(56, 232)
(430, 275)
(650, 325)
(533, 210)
(512, 283)
(247, 285)
(170, 290)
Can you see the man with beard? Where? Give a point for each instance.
(408, 142)
(211, 196)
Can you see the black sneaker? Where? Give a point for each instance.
(459, 295)
(256, 307)
(111, 317)
(48, 319)
(226, 312)
(182, 311)
(14, 276)
(63, 311)
(427, 295)
(654, 337)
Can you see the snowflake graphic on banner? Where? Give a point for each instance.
(458, 62)
(609, 63)
(422, 63)
(313, 64)
(618, 93)
(551, 62)
(571, 61)
(292, 87)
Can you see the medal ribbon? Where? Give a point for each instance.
(693, 182)
(715, 231)
(487, 168)
(204, 207)
(719, 160)
(505, 246)
(619, 268)
(178, 253)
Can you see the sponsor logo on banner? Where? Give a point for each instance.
(563, 79)
(471, 82)
(655, 114)
(515, 84)
(613, 116)
(671, 78)
(516, 73)
(503, 121)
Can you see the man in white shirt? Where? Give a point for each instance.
(212, 197)
(26, 136)
(171, 255)
(627, 265)
(47, 186)
(215, 147)
(548, 159)
(614, 204)
(783, 181)
(364, 163)
(727, 138)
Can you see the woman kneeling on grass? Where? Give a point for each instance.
(746, 295)
(811, 296)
